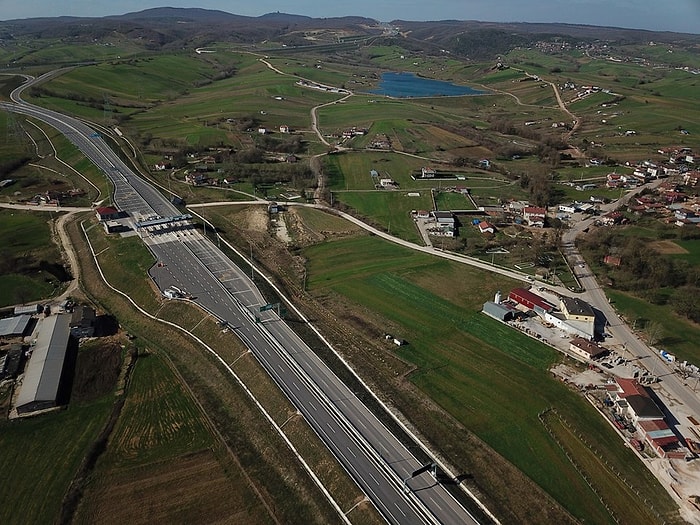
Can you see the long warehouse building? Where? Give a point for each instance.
(42, 377)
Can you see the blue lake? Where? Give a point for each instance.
(407, 85)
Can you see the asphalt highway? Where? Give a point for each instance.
(380, 464)
(363, 445)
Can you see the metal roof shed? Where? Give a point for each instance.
(43, 374)
(28, 309)
(14, 326)
(498, 311)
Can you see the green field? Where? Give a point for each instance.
(489, 377)
(678, 336)
(28, 257)
(158, 421)
(693, 249)
(453, 201)
(28, 467)
(125, 261)
(391, 210)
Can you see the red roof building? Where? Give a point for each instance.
(629, 387)
(486, 227)
(534, 216)
(107, 213)
(530, 300)
(659, 436)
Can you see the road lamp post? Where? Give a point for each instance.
(251, 260)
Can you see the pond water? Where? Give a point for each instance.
(407, 85)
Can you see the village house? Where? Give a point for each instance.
(586, 349)
(534, 216)
(612, 260)
(486, 227)
(612, 218)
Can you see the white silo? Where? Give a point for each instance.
(497, 299)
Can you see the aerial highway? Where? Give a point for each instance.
(400, 486)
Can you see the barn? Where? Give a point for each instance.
(530, 300)
(42, 376)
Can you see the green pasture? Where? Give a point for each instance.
(583, 174)
(535, 94)
(48, 173)
(41, 455)
(55, 52)
(125, 262)
(389, 209)
(325, 73)
(570, 193)
(14, 148)
(7, 84)
(608, 74)
(592, 103)
(159, 419)
(491, 194)
(607, 480)
(679, 336)
(17, 289)
(24, 232)
(363, 111)
(453, 201)
(501, 76)
(250, 94)
(491, 378)
(351, 171)
(139, 81)
(319, 221)
(539, 63)
(25, 242)
(693, 255)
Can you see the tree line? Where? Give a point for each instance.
(643, 271)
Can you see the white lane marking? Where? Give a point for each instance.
(397, 506)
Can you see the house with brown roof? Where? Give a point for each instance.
(586, 349)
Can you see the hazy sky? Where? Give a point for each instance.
(667, 15)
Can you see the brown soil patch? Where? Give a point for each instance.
(181, 490)
(97, 369)
(667, 247)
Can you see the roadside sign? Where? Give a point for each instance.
(267, 307)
